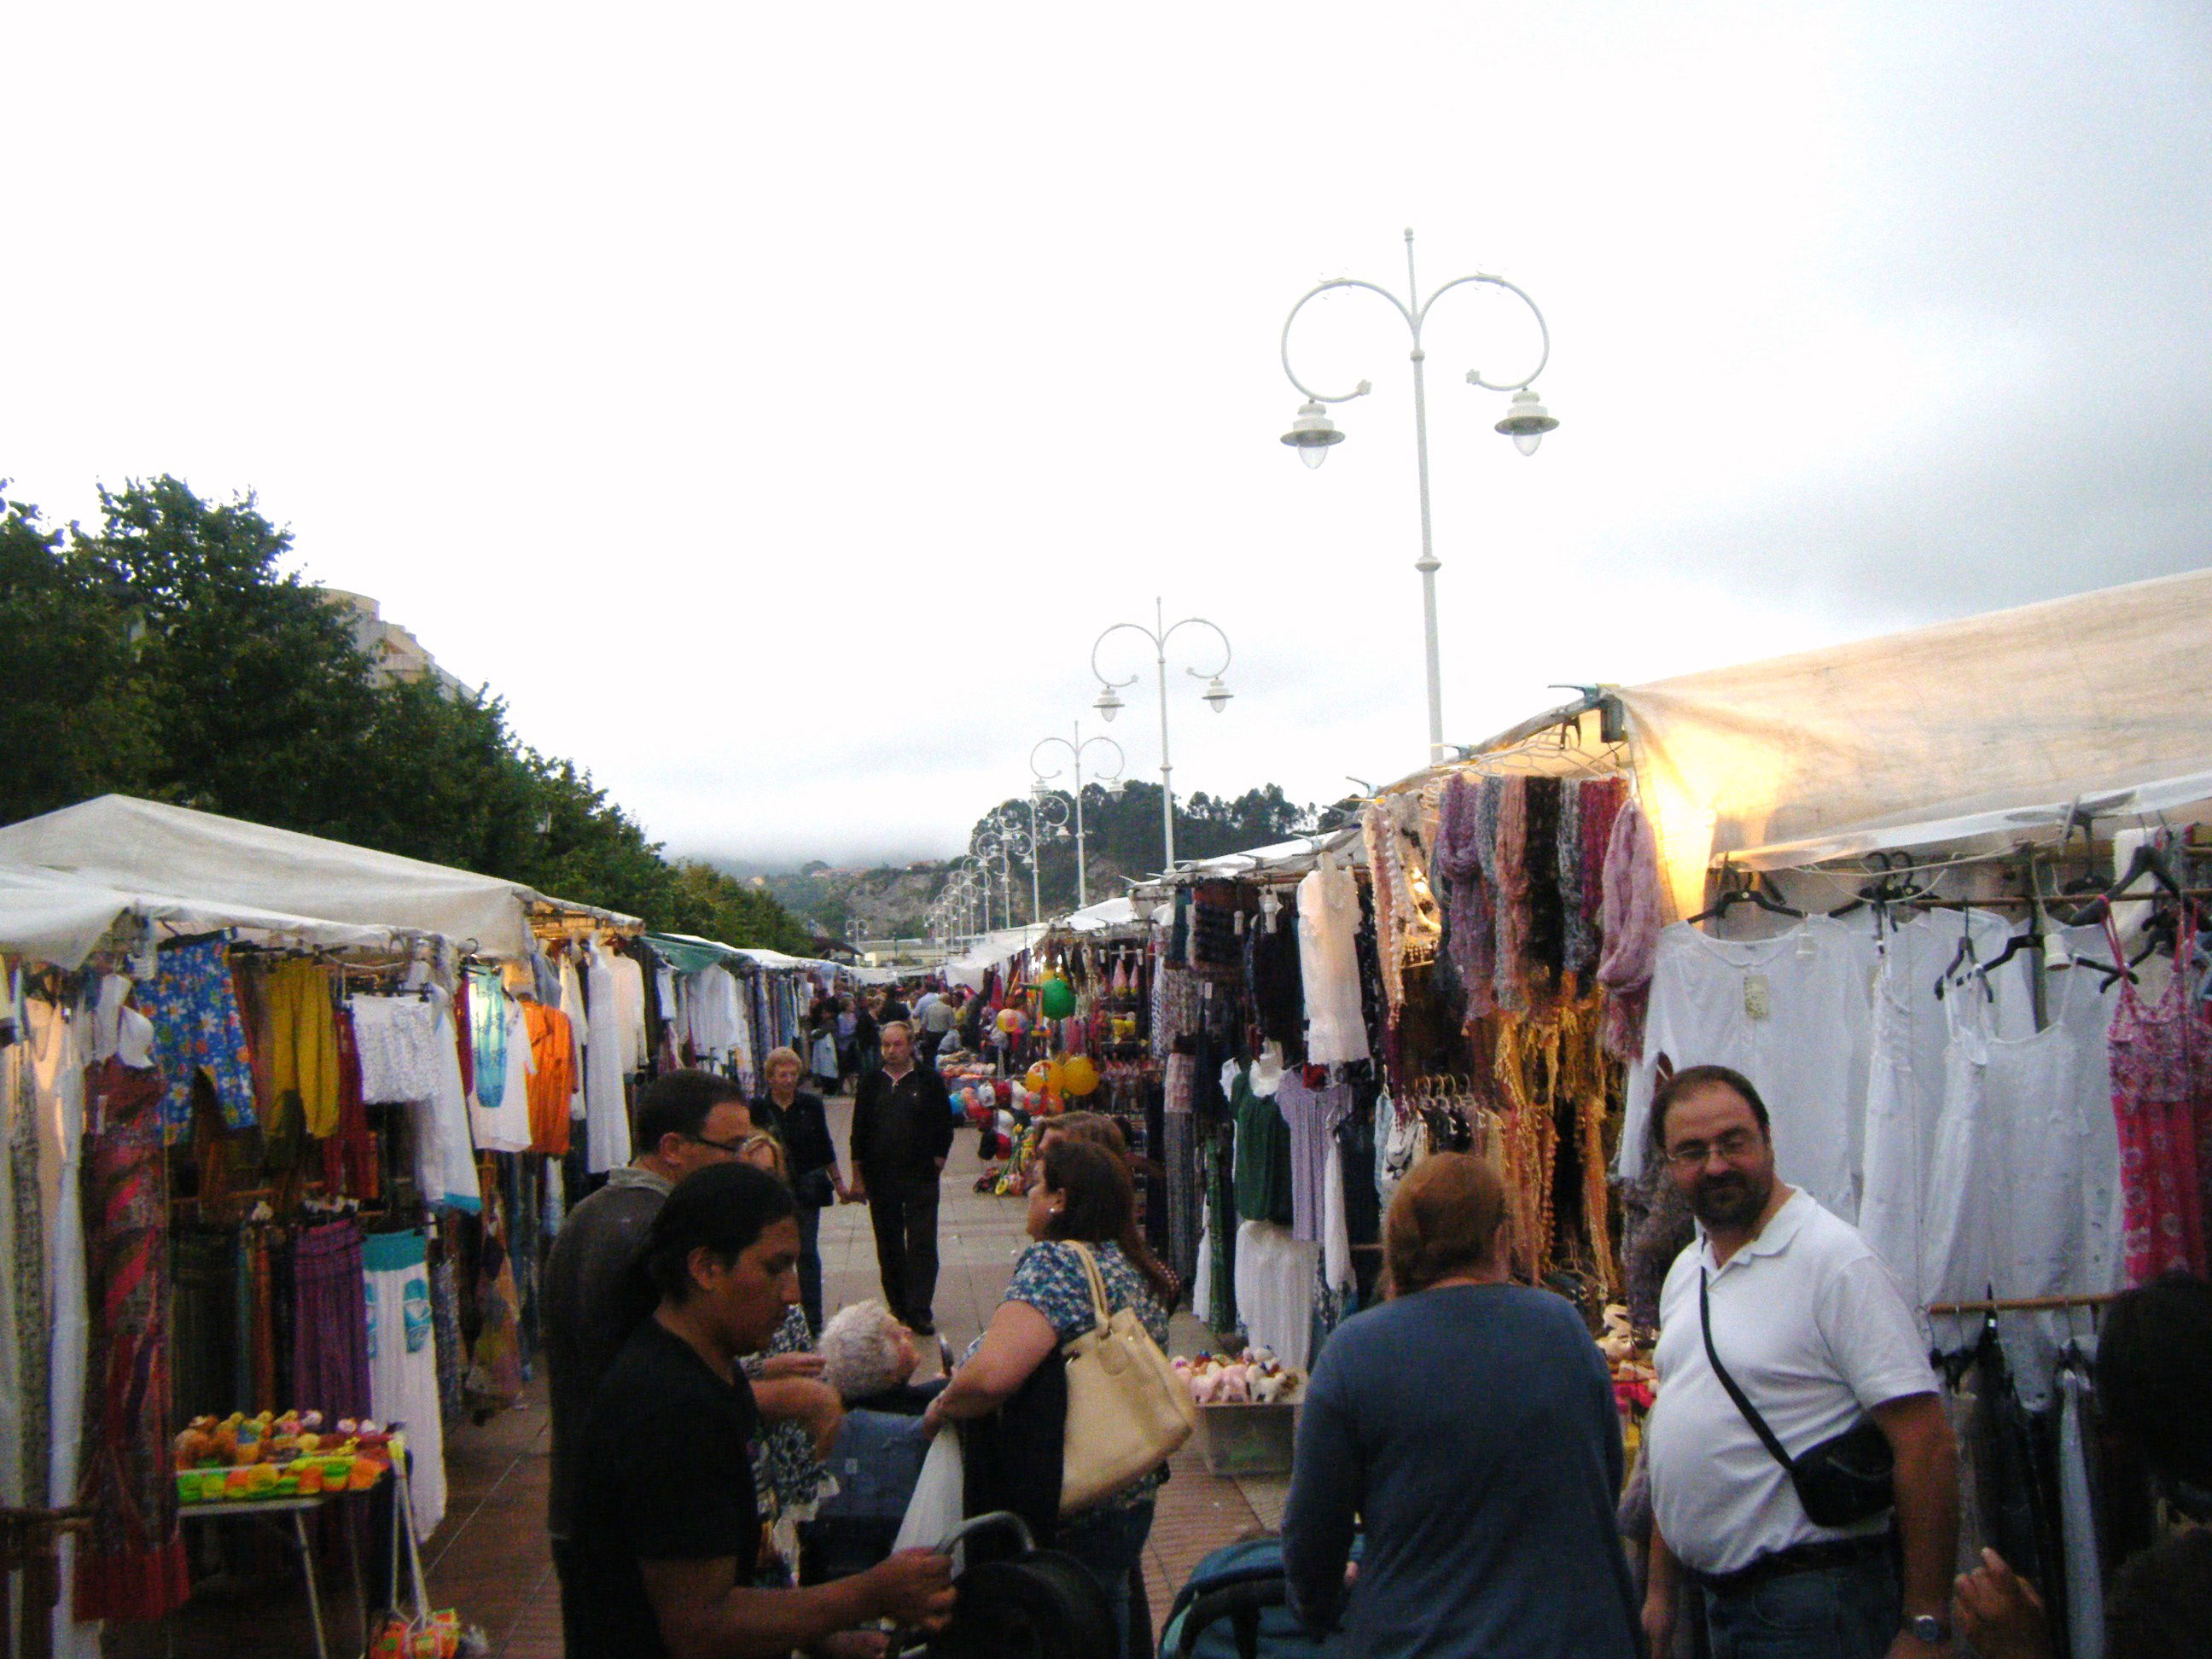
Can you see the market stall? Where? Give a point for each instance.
(1937, 894)
(327, 1108)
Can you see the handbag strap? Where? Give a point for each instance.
(1101, 1312)
(1742, 1403)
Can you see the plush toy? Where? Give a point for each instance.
(1619, 1342)
(1252, 1378)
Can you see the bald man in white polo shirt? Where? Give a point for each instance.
(1814, 1332)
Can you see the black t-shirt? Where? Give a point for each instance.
(665, 1477)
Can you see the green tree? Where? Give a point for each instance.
(259, 700)
(78, 722)
(716, 905)
(1122, 836)
(171, 655)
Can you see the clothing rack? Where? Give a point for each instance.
(2026, 1303)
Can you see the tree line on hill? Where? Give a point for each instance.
(1121, 836)
(167, 655)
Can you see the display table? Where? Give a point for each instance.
(275, 1512)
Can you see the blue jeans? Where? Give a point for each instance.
(1110, 1541)
(1853, 1611)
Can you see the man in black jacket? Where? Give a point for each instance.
(901, 1134)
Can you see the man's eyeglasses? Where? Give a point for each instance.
(1694, 1154)
(734, 1148)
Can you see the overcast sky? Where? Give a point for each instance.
(774, 402)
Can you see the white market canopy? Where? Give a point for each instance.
(58, 919)
(992, 950)
(1996, 722)
(1118, 912)
(195, 869)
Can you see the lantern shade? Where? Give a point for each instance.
(1056, 998)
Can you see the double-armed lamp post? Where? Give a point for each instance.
(1526, 423)
(1110, 703)
(1041, 786)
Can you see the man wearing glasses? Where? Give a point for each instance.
(686, 1121)
(1816, 1336)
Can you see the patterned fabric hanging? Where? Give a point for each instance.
(131, 1564)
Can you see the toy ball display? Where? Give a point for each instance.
(1056, 998)
(1012, 1021)
(1078, 1076)
(1039, 1078)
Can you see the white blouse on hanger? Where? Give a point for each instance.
(1793, 1013)
(1329, 960)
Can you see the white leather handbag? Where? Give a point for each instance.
(1127, 1411)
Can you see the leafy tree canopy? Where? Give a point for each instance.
(1121, 835)
(168, 654)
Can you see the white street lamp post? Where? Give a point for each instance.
(1110, 703)
(978, 878)
(1016, 841)
(989, 849)
(1526, 423)
(1046, 815)
(1075, 746)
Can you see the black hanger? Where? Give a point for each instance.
(1891, 885)
(1747, 892)
(2030, 940)
(2149, 860)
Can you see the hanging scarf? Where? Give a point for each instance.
(1630, 920)
(1511, 871)
(1420, 925)
(1599, 803)
(487, 1036)
(1375, 829)
(1463, 853)
(1540, 848)
(1576, 932)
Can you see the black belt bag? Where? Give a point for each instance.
(1841, 1481)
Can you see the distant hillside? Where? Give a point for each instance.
(885, 903)
(1121, 838)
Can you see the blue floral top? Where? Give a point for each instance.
(1049, 1278)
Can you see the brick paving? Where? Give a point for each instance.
(490, 1558)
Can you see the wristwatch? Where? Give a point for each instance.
(1926, 1627)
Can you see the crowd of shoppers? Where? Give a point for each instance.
(1459, 1454)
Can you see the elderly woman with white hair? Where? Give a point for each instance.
(865, 1352)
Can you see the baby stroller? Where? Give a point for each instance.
(1234, 1605)
(1016, 1600)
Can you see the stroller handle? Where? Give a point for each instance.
(1239, 1603)
(967, 1529)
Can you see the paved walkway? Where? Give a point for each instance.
(490, 1558)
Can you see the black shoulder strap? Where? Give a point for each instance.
(1742, 1403)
